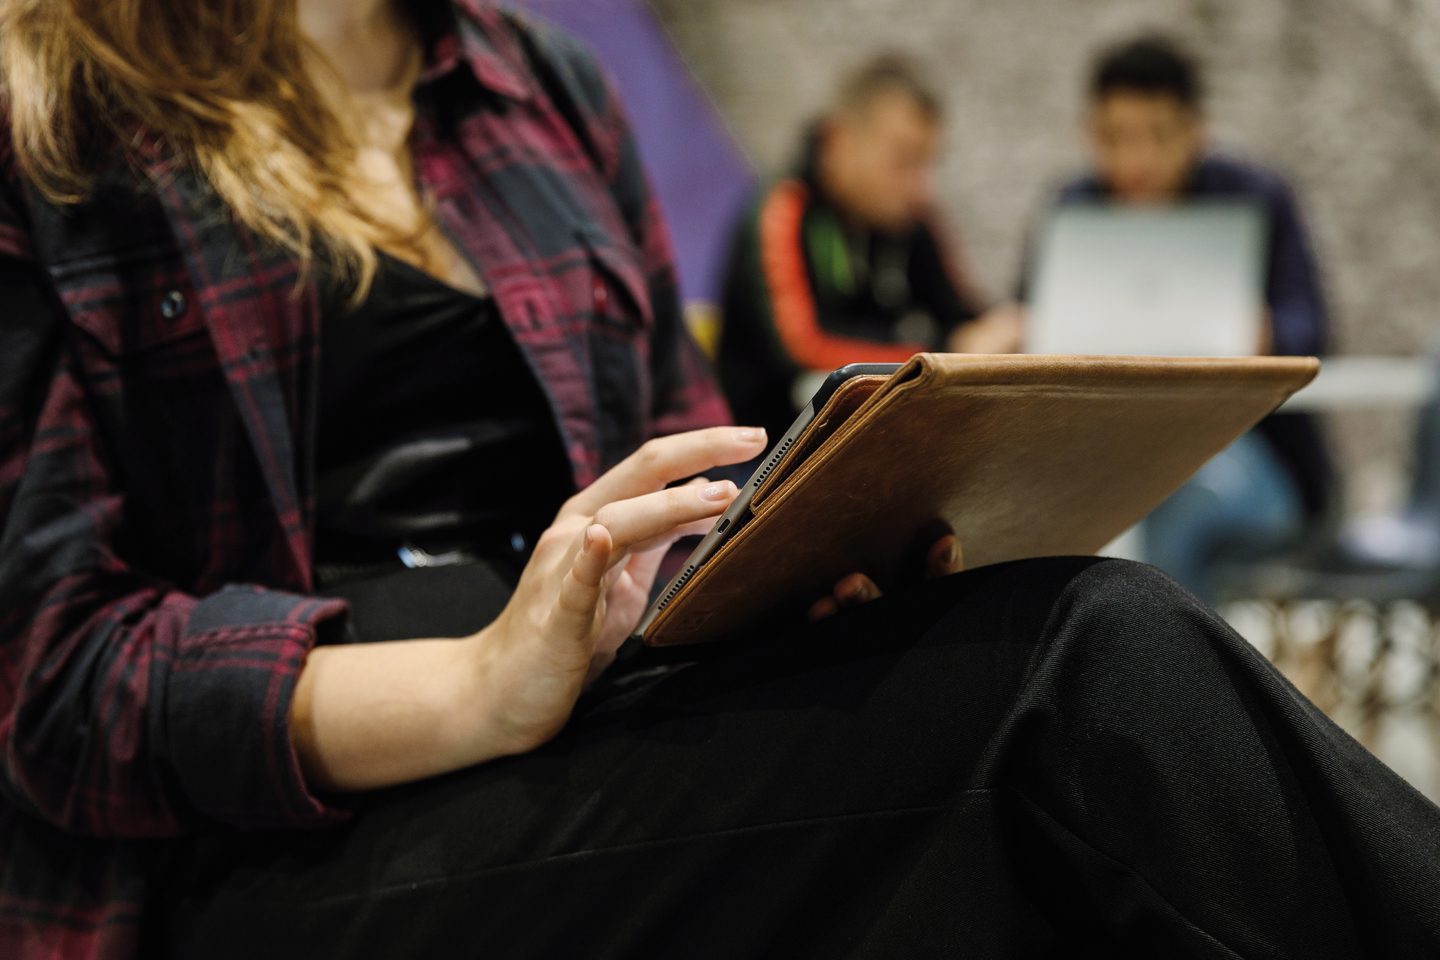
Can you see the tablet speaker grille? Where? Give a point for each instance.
(680, 581)
(772, 464)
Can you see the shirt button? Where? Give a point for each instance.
(517, 542)
(172, 305)
(602, 296)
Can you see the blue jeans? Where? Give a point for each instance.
(1241, 504)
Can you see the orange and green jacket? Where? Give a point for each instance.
(807, 291)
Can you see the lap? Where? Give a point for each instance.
(828, 749)
(819, 785)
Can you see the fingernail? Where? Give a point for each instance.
(717, 491)
(750, 434)
(952, 554)
(857, 591)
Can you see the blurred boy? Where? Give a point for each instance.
(840, 261)
(1149, 146)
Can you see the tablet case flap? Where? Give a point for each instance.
(1023, 456)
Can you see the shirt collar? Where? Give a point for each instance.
(474, 34)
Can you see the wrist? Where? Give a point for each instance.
(373, 714)
(516, 700)
(482, 699)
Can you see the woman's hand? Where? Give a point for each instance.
(589, 580)
(943, 558)
(372, 714)
(367, 715)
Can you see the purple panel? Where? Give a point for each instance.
(699, 173)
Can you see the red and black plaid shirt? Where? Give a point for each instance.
(157, 417)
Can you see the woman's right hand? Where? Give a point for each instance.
(368, 715)
(588, 581)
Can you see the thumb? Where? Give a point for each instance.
(581, 590)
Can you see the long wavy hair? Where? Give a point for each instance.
(223, 85)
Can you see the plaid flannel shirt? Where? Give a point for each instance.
(157, 419)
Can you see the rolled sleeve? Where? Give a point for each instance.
(128, 707)
(227, 712)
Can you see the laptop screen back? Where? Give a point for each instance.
(1174, 281)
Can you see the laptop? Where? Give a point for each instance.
(1185, 280)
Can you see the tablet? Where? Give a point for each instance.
(839, 390)
(1021, 456)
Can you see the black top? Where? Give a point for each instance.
(433, 431)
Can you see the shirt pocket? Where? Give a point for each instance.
(163, 404)
(619, 328)
(138, 305)
(618, 295)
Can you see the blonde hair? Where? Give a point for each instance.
(222, 85)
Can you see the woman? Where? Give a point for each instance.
(346, 320)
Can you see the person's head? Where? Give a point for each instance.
(1146, 122)
(878, 143)
(226, 87)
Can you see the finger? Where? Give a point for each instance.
(645, 518)
(644, 567)
(944, 557)
(618, 565)
(855, 589)
(667, 459)
(698, 528)
(663, 542)
(822, 608)
(645, 559)
(659, 545)
(642, 561)
(580, 591)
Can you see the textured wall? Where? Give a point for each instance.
(1343, 95)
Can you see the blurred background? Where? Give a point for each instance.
(1342, 97)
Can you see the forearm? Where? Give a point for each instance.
(375, 714)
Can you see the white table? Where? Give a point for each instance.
(1356, 383)
(1344, 383)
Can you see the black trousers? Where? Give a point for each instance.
(1055, 757)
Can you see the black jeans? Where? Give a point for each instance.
(1065, 756)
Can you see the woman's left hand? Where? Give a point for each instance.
(942, 559)
(627, 590)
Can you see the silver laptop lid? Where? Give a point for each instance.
(1186, 280)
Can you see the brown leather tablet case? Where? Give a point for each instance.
(1022, 456)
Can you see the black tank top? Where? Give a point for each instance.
(435, 445)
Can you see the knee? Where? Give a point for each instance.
(1130, 659)
(1135, 610)
(1122, 582)
(1088, 605)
